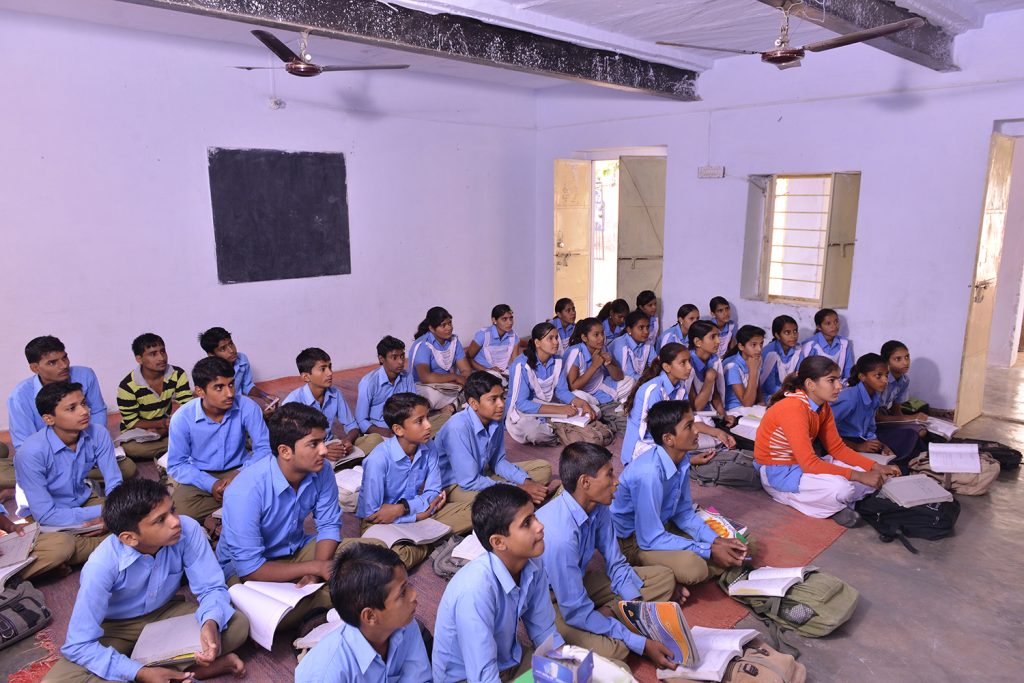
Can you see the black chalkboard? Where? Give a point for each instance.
(278, 215)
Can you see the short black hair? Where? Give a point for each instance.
(500, 310)
(52, 394)
(130, 503)
(716, 302)
(292, 422)
(388, 344)
(494, 509)
(479, 383)
(399, 407)
(635, 318)
(890, 347)
(210, 368)
(40, 346)
(308, 358)
(664, 416)
(578, 459)
(144, 341)
(210, 339)
(698, 330)
(360, 579)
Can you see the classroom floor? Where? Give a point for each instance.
(949, 613)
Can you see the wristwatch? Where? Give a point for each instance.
(405, 504)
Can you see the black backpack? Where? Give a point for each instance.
(1008, 458)
(733, 468)
(22, 612)
(895, 522)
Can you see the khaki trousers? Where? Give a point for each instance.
(145, 451)
(455, 515)
(367, 442)
(6, 467)
(59, 548)
(196, 503)
(537, 470)
(121, 634)
(127, 467)
(689, 567)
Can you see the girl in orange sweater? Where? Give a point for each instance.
(791, 472)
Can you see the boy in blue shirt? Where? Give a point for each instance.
(376, 387)
(217, 341)
(477, 618)
(206, 440)
(378, 639)
(402, 478)
(653, 512)
(51, 468)
(132, 580)
(576, 524)
(471, 447)
(319, 392)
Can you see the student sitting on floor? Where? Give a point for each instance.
(742, 368)
(647, 302)
(262, 537)
(791, 472)
(897, 391)
(149, 394)
(537, 387)
(133, 579)
(565, 322)
(592, 371)
(667, 378)
(378, 639)
(707, 382)
(653, 511)
(826, 341)
(439, 364)
(855, 411)
(479, 613)
(631, 350)
(494, 347)
(679, 333)
(721, 317)
(318, 391)
(206, 442)
(781, 356)
(402, 478)
(471, 447)
(217, 341)
(577, 523)
(613, 317)
(51, 469)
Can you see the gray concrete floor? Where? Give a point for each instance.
(955, 611)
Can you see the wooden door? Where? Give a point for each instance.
(573, 195)
(641, 225)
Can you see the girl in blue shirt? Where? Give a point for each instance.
(678, 333)
(721, 316)
(565, 322)
(890, 413)
(494, 347)
(781, 356)
(439, 364)
(592, 374)
(631, 350)
(613, 316)
(647, 301)
(826, 341)
(742, 368)
(708, 377)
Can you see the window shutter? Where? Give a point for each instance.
(842, 235)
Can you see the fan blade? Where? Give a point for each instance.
(276, 46)
(365, 68)
(704, 47)
(254, 68)
(861, 36)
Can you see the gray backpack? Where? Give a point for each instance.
(22, 613)
(442, 561)
(728, 468)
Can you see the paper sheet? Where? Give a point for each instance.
(954, 457)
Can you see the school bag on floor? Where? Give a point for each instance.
(22, 612)
(895, 522)
(443, 563)
(734, 468)
(593, 432)
(761, 663)
(964, 483)
(1008, 458)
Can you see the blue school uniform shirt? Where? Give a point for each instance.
(479, 613)
(600, 383)
(423, 355)
(570, 538)
(653, 491)
(374, 390)
(52, 476)
(654, 326)
(776, 364)
(334, 408)
(673, 334)
(528, 386)
(611, 335)
(243, 374)
(389, 476)
(854, 412)
(840, 350)
(263, 515)
(637, 439)
(736, 372)
(197, 445)
(24, 417)
(496, 350)
(466, 451)
(632, 356)
(564, 333)
(700, 371)
(345, 656)
(725, 335)
(118, 582)
(897, 391)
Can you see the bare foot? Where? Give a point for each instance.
(680, 594)
(225, 664)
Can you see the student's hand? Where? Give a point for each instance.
(323, 574)
(218, 489)
(872, 477)
(725, 437)
(870, 446)
(209, 641)
(728, 552)
(730, 422)
(920, 417)
(886, 450)
(659, 654)
(159, 674)
(387, 513)
(538, 492)
(570, 411)
(437, 503)
(587, 409)
(606, 358)
(753, 363)
(710, 375)
(337, 450)
(8, 526)
(886, 470)
(458, 379)
(97, 532)
(702, 458)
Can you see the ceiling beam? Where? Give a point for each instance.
(926, 45)
(454, 37)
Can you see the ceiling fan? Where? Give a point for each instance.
(785, 57)
(302, 64)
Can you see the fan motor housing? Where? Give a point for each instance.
(782, 56)
(300, 68)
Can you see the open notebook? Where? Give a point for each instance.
(265, 603)
(717, 647)
(16, 552)
(770, 581)
(168, 641)
(421, 533)
(954, 457)
(916, 489)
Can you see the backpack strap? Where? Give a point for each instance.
(776, 635)
(898, 536)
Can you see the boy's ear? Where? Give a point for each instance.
(381, 359)
(397, 429)
(284, 451)
(138, 359)
(473, 403)
(199, 391)
(498, 542)
(34, 367)
(306, 377)
(49, 419)
(129, 538)
(368, 616)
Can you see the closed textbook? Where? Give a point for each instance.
(916, 489)
(175, 640)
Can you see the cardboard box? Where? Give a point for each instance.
(550, 666)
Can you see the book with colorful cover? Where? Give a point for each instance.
(665, 623)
